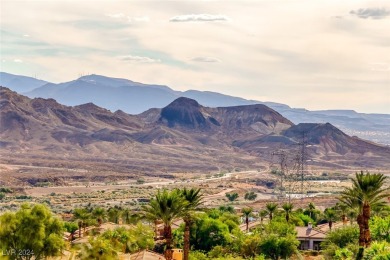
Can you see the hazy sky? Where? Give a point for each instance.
(312, 54)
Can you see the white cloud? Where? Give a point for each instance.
(206, 59)
(373, 13)
(26, 35)
(139, 59)
(116, 16)
(199, 18)
(128, 18)
(18, 60)
(379, 66)
(138, 19)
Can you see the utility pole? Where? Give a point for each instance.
(282, 156)
(302, 161)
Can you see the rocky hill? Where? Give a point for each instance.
(179, 137)
(133, 97)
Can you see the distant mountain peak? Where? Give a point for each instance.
(184, 112)
(184, 101)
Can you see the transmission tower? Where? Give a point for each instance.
(282, 161)
(301, 162)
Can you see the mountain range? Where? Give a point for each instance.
(179, 137)
(134, 98)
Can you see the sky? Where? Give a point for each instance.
(308, 54)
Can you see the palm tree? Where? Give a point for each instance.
(228, 208)
(80, 224)
(193, 197)
(247, 212)
(343, 208)
(310, 208)
(287, 207)
(99, 214)
(166, 206)
(83, 216)
(129, 217)
(366, 192)
(330, 216)
(351, 215)
(271, 208)
(262, 214)
(114, 214)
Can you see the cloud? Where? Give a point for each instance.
(18, 60)
(130, 19)
(139, 59)
(206, 59)
(118, 15)
(138, 19)
(379, 66)
(199, 18)
(373, 13)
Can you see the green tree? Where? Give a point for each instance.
(228, 208)
(194, 199)
(351, 215)
(71, 227)
(311, 210)
(380, 228)
(129, 217)
(99, 249)
(82, 216)
(250, 195)
(342, 208)
(367, 191)
(207, 232)
(100, 214)
(32, 229)
(247, 212)
(330, 216)
(262, 214)
(232, 196)
(343, 254)
(271, 207)
(114, 214)
(2, 195)
(278, 240)
(166, 206)
(130, 240)
(346, 236)
(379, 250)
(287, 207)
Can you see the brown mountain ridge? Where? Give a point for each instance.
(183, 136)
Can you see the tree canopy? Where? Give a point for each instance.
(32, 230)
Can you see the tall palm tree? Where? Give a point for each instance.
(351, 215)
(287, 207)
(114, 214)
(100, 215)
(193, 197)
(247, 212)
(166, 206)
(367, 192)
(310, 208)
(271, 208)
(262, 214)
(329, 216)
(342, 208)
(83, 216)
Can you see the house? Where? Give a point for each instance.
(310, 237)
(150, 255)
(142, 255)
